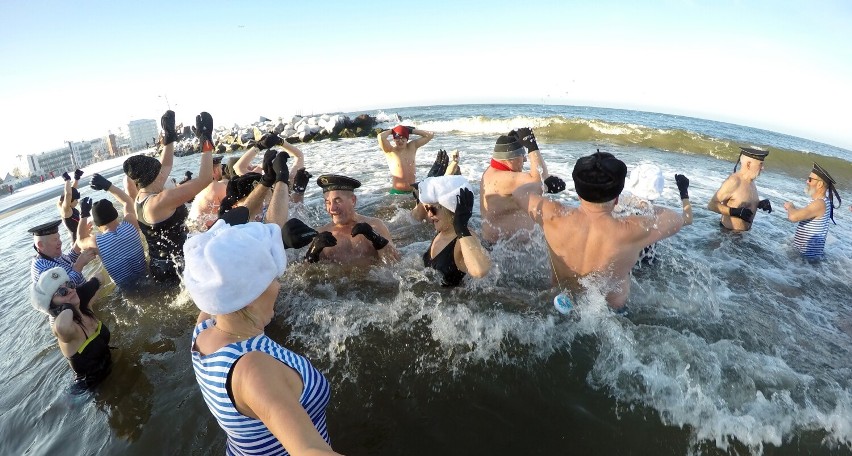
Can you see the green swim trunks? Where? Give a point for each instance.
(394, 191)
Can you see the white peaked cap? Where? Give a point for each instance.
(442, 190)
(228, 267)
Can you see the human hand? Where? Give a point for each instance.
(204, 130)
(554, 184)
(527, 139)
(86, 256)
(765, 205)
(367, 231)
(321, 241)
(279, 165)
(464, 210)
(788, 205)
(296, 234)
(439, 167)
(268, 140)
(167, 122)
(100, 182)
(66, 176)
(742, 213)
(410, 129)
(78, 173)
(300, 182)
(85, 207)
(268, 173)
(682, 185)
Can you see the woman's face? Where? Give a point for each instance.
(264, 307)
(66, 294)
(441, 218)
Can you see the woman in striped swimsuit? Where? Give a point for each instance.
(813, 218)
(266, 398)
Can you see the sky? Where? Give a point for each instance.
(74, 70)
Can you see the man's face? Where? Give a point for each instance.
(754, 165)
(399, 141)
(217, 173)
(340, 205)
(50, 245)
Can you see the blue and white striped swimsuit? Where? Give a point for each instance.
(121, 253)
(810, 234)
(248, 436)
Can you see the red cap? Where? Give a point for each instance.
(399, 130)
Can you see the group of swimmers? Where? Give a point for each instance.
(268, 398)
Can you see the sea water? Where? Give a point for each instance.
(734, 343)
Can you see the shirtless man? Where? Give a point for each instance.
(401, 155)
(205, 206)
(350, 237)
(588, 240)
(501, 214)
(737, 198)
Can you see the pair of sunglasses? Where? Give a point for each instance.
(432, 210)
(64, 290)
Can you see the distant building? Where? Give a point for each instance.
(142, 131)
(112, 146)
(54, 162)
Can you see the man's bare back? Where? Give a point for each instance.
(205, 206)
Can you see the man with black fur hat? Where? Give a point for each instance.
(119, 244)
(350, 237)
(502, 217)
(48, 245)
(813, 218)
(588, 240)
(737, 198)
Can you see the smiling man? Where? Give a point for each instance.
(350, 237)
(401, 154)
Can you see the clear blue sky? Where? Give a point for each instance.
(72, 70)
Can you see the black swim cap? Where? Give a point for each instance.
(103, 212)
(142, 169)
(599, 178)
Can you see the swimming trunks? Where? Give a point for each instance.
(445, 263)
(394, 191)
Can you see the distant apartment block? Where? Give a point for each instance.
(142, 131)
(54, 161)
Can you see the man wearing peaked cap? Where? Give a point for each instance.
(812, 219)
(48, 247)
(401, 155)
(588, 240)
(737, 198)
(350, 237)
(501, 215)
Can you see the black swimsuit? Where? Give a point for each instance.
(72, 222)
(165, 241)
(92, 362)
(445, 263)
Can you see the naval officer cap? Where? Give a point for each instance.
(757, 154)
(45, 229)
(331, 182)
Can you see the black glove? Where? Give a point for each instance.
(765, 205)
(78, 173)
(204, 130)
(682, 185)
(439, 167)
(279, 165)
(364, 228)
(268, 173)
(527, 139)
(554, 184)
(321, 241)
(268, 140)
(464, 209)
(168, 124)
(85, 207)
(100, 182)
(188, 175)
(410, 129)
(300, 182)
(296, 234)
(742, 213)
(66, 176)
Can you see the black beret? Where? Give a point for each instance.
(599, 178)
(330, 182)
(45, 228)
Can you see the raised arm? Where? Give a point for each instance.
(84, 238)
(384, 144)
(65, 206)
(127, 205)
(243, 165)
(665, 223)
(279, 207)
(528, 196)
(170, 199)
(425, 137)
(471, 257)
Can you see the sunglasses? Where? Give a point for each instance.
(813, 179)
(432, 210)
(63, 291)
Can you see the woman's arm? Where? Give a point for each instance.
(243, 165)
(471, 257)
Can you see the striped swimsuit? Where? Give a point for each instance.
(810, 234)
(248, 436)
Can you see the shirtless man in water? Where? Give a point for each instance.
(587, 240)
(350, 238)
(401, 155)
(501, 215)
(737, 198)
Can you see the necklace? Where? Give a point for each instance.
(237, 336)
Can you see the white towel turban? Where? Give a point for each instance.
(646, 181)
(228, 267)
(442, 190)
